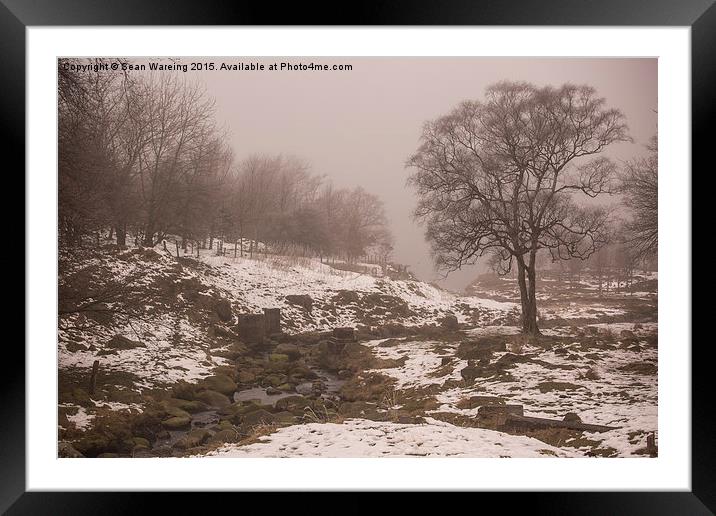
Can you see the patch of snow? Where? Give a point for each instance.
(364, 438)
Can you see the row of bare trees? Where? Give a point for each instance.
(141, 156)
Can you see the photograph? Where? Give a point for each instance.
(357, 257)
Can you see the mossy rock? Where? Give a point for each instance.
(227, 435)
(257, 417)
(219, 383)
(141, 442)
(177, 423)
(176, 412)
(292, 403)
(193, 439)
(92, 445)
(292, 351)
(213, 399)
(557, 386)
(284, 418)
(190, 406)
(246, 377)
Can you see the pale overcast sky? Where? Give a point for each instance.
(358, 127)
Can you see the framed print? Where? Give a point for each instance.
(384, 253)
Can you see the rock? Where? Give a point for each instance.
(344, 374)
(191, 407)
(278, 357)
(147, 425)
(184, 390)
(92, 445)
(257, 417)
(74, 347)
(300, 371)
(221, 331)
(227, 435)
(213, 399)
(121, 342)
(557, 386)
(222, 307)
(627, 334)
(449, 323)
(344, 333)
(271, 391)
(290, 350)
(291, 403)
(646, 368)
(481, 348)
(141, 441)
(286, 387)
(143, 453)
(81, 397)
(193, 439)
(479, 401)
(66, 450)
(246, 377)
(176, 412)
(274, 380)
(284, 418)
(303, 300)
(219, 383)
(572, 417)
(107, 455)
(177, 423)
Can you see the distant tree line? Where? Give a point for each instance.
(141, 159)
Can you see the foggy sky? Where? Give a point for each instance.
(358, 127)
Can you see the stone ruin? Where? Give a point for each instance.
(254, 328)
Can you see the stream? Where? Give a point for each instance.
(330, 382)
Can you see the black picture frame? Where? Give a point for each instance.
(700, 15)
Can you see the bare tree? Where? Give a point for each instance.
(503, 177)
(641, 195)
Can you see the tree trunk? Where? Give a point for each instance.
(531, 327)
(526, 279)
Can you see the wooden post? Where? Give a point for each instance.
(93, 377)
(177, 243)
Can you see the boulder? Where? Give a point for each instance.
(303, 300)
(290, 350)
(449, 323)
(222, 308)
(213, 399)
(292, 403)
(177, 423)
(627, 334)
(246, 377)
(278, 357)
(193, 439)
(572, 417)
(257, 417)
(227, 435)
(191, 407)
(219, 383)
(344, 333)
(67, 451)
(481, 348)
(120, 342)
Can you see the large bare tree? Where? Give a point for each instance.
(504, 177)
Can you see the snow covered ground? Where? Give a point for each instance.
(364, 438)
(175, 331)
